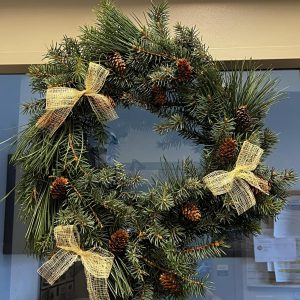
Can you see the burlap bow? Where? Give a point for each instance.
(237, 181)
(61, 100)
(97, 262)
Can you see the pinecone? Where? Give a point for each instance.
(159, 95)
(118, 241)
(243, 118)
(184, 69)
(191, 212)
(112, 102)
(218, 243)
(288, 174)
(169, 282)
(228, 149)
(59, 188)
(118, 62)
(256, 191)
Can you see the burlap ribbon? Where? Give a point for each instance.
(236, 182)
(97, 262)
(61, 100)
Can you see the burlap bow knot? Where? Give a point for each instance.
(97, 262)
(61, 100)
(236, 182)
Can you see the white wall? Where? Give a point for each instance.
(232, 29)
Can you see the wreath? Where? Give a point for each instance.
(135, 242)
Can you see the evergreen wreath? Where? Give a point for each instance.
(157, 236)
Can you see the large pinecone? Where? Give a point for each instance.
(159, 95)
(184, 69)
(228, 149)
(59, 188)
(191, 212)
(118, 62)
(243, 118)
(169, 282)
(118, 241)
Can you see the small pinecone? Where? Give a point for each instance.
(228, 149)
(118, 62)
(243, 118)
(112, 102)
(118, 241)
(256, 191)
(184, 69)
(59, 188)
(169, 282)
(159, 95)
(218, 243)
(191, 212)
(288, 174)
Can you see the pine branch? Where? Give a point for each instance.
(159, 19)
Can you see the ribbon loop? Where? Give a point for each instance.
(61, 100)
(97, 262)
(237, 181)
(249, 157)
(61, 97)
(67, 237)
(95, 78)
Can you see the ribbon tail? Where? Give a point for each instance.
(53, 119)
(255, 181)
(241, 196)
(102, 107)
(59, 263)
(97, 287)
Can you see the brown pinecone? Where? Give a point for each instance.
(118, 62)
(243, 118)
(118, 241)
(169, 281)
(228, 149)
(256, 191)
(191, 212)
(218, 243)
(184, 69)
(59, 188)
(288, 174)
(159, 95)
(112, 102)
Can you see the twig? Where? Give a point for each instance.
(72, 147)
(202, 247)
(96, 217)
(90, 207)
(192, 281)
(76, 158)
(153, 264)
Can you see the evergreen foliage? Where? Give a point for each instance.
(201, 105)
